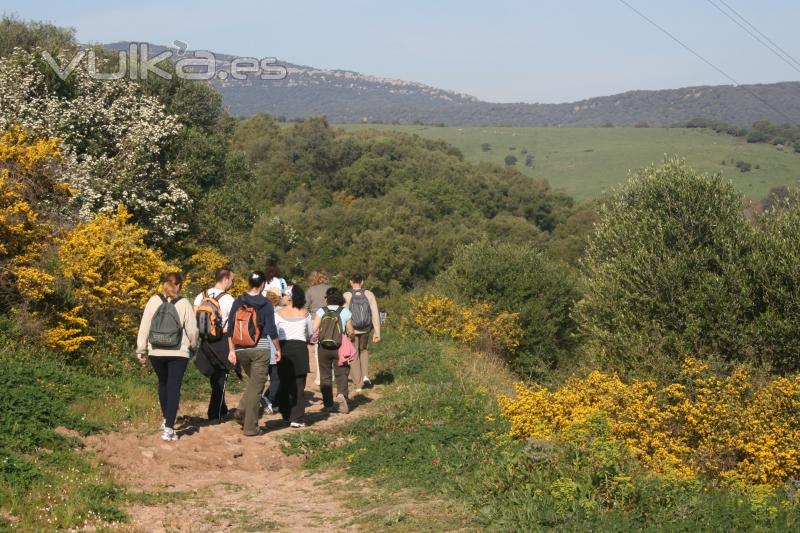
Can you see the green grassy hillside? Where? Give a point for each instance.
(586, 162)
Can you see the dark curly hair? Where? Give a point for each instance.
(334, 297)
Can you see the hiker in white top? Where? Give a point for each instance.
(215, 353)
(294, 331)
(366, 320)
(270, 395)
(167, 334)
(274, 280)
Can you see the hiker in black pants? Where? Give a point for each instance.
(294, 331)
(212, 357)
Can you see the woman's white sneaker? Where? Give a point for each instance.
(169, 435)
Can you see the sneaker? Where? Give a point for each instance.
(169, 435)
(367, 384)
(163, 424)
(268, 408)
(331, 408)
(342, 401)
(297, 425)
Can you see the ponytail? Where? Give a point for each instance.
(171, 284)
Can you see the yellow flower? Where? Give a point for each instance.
(726, 427)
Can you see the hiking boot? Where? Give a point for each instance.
(297, 425)
(342, 401)
(169, 435)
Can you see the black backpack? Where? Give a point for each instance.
(166, 329)
(362, 313)
(330, 328)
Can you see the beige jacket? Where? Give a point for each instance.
(186, 312)
(373, 306)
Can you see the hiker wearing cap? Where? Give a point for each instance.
(366, 323)
(294, 331)
(251, 328)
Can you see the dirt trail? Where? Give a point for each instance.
(224, 481)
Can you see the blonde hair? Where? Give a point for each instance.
(171, 284)
(274, 296)
(318, 277)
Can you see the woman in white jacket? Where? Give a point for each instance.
(169, 362)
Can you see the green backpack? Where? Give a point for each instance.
(166, 329)
(330, 328)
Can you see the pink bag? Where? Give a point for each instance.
(347, 351)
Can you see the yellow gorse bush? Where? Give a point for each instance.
(204, 263)
(25, 173)
(724, 427)
(17, 146)
(68, 335)
(441, 316)
(111, 270)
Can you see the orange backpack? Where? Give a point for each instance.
(209, 317)
(246, 332)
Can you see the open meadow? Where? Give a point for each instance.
(588, 162)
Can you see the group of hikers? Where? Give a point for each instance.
(273, 333)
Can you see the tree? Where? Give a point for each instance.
(114, 141)
(776, 276)
(666, 272)
(519, 279)
(29, 35)
(510, 160)
(486, 147)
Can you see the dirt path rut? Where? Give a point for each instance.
(216, 479)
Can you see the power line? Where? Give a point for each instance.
(704, 60)
(773, 43)
(754, 36)
(668, 34)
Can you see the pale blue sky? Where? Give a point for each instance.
(504, 50)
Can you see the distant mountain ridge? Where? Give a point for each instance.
(345, 96)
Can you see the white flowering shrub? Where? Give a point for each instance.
(113, 139)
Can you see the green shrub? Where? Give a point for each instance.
(666, 272)
(776, 272)
(519, 279)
